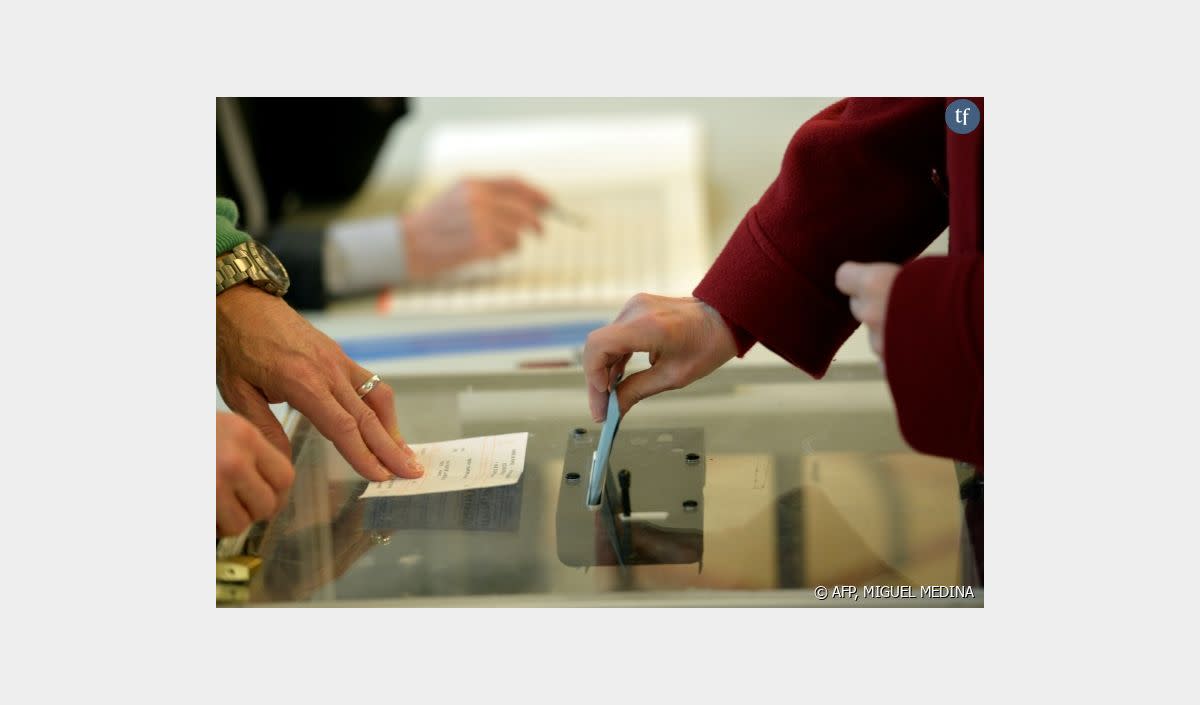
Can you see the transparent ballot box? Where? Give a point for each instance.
(753, 486)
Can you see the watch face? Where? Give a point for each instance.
(271, 265)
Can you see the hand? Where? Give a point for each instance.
(477, 218)
(267, 353)
(686, 339)
(868, 286)
(253, 476)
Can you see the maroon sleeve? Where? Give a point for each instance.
(934, 364)
(855, 184)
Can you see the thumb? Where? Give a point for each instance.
(254, 407)
(641, 385)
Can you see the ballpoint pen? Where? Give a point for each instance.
(565, 216)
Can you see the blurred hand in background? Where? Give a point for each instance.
(475, 219)
(290, 162)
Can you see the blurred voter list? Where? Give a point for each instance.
(629, 212)
(464, 464)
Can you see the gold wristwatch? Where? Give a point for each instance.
(250, 261)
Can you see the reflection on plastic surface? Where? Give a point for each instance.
(665, 488)
(791, 497)
(488, 509)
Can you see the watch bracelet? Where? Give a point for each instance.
(233, 268)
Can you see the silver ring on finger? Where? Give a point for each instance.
(368, 386)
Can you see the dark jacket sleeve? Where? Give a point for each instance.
(306, 152)
(855, 184)
(301, 250)
(934, 358)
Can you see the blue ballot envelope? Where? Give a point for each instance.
(604, 450)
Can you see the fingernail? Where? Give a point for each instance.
(404, 446)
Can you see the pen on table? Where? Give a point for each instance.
(544, 364)
(557, 211)
(553, 362)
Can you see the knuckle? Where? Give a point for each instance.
(344, 424)
(228, 462)
(640, 300)
(299, 369)
(673, 378)
(365, 416)
(232, 463)
(236, 526)
(242, 432)
(261, 509)
(383, 392)
(331, 357)
(267, 510)
(662, 322)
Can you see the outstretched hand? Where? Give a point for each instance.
(686, 338)
(267, 353)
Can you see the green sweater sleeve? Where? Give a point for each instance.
(228, 236)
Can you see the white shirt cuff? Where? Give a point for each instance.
(363, 255)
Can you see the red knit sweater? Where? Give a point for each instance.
(872, 180)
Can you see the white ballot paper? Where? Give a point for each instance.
(465, 464)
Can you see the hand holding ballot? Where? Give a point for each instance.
(686, 340)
